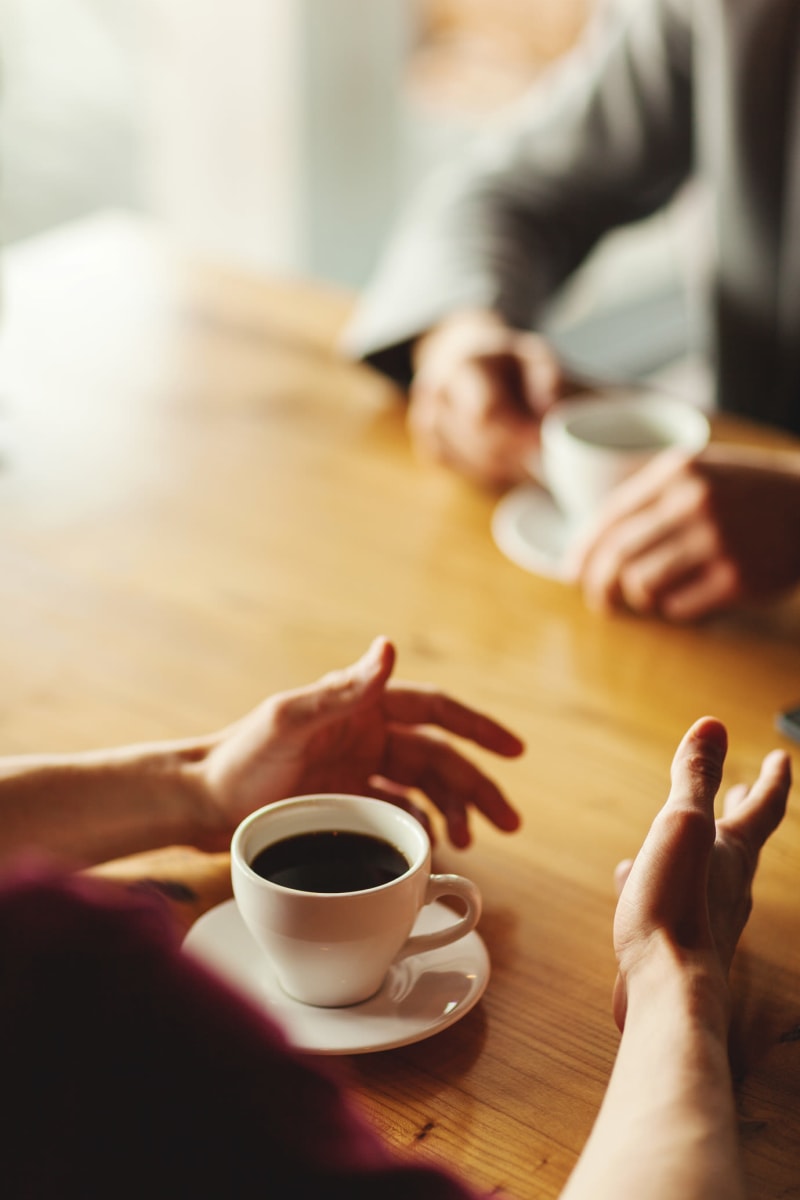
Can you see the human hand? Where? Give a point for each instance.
(687, 536)
(350, 732)
(479, 391)
(688, 892)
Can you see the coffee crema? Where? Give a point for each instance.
(330, 860)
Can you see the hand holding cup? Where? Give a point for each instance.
(591, 445)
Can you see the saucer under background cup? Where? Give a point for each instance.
(589, 446)
(530, 529)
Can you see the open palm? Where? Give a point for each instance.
(690, 884)
(349, 732)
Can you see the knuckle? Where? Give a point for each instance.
(281, 713)
(688, 827)
(704, 766)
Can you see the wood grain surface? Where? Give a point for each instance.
(201, 503)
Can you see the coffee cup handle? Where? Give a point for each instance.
(447, 885)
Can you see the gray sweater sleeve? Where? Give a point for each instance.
(604, 140)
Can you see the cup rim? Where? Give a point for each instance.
(555, 422)
(399, 816)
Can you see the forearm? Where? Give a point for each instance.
(87, 808)
(667, 1125)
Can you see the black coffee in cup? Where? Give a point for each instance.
(330, 860)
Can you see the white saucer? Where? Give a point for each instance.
(421, 995)
(531, 531)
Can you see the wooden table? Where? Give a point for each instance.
(201, 504)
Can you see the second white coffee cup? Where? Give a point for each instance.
(590, 445)
(332, 918)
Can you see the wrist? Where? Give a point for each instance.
(667, 1124)
(157, 796)
(204, 820)
(689, 988)
(90, 807)
(170, 803)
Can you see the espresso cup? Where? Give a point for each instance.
(330, 887)
(590, 445)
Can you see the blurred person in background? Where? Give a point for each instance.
(657, 92)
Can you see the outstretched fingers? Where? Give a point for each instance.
(417, 759)
(753, 814)
(691, 881)
(386, 789)
(413, 704)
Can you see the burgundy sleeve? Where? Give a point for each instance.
(128, 1070)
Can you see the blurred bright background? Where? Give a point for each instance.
(281, 135)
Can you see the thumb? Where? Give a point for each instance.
(338, 693)
(697, 767)
(684, 831)
(677, 850)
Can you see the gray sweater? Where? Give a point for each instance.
(661, 91)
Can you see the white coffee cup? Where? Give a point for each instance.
(591, 444)
(334, 948)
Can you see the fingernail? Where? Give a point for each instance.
(713, 732)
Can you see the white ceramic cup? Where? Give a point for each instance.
(590, 445)
(334, 948)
